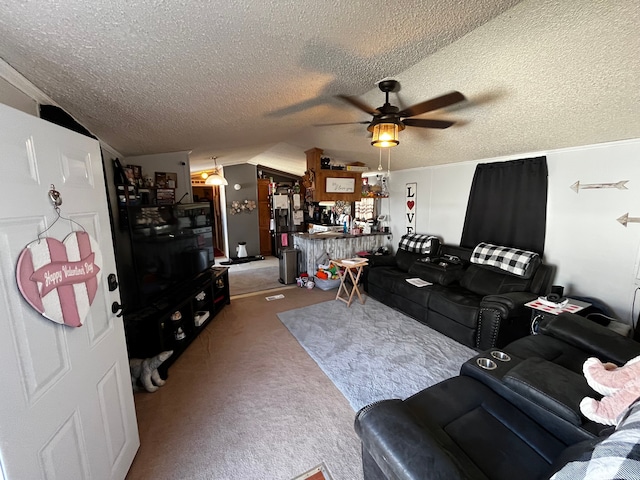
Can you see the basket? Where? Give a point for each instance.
(327, 284)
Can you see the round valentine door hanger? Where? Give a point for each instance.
(60, 279)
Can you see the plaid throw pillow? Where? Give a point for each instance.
(508, 259)
(617, 456)
(423, 244)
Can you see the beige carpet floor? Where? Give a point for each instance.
(245, 401)
(254, 280)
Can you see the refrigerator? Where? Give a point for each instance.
(288, 218)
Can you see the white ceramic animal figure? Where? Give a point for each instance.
(146, 369)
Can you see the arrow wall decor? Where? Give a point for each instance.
(576, 187)
(624, 219)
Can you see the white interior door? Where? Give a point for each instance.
(66, 409)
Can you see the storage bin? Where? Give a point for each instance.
(323, 284)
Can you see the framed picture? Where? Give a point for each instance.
(137, 174)
(172, 179)
(161, 179)
(128, 172)
(166, 179)
(340, 185)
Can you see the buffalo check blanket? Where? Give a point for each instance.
(615, 457)
(417, 243)
(510, 260)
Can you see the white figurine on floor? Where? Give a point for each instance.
(147, 371)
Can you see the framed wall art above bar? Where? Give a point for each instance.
(340, 185)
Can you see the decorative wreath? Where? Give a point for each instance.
(240, 206)
(341, 207)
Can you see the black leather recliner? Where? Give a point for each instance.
(518, 420)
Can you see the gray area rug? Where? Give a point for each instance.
(254, 280)
(372, 352)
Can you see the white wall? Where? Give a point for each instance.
(10, 95)
(594, 254)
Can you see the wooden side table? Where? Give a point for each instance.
(352, 269)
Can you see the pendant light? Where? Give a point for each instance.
(215, 178)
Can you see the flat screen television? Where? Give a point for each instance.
(171, 244)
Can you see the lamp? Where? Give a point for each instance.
(215, 178)
(385, 135)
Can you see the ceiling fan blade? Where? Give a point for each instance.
(359, 104)
(427, 123)
(433, 104)
(341, 123)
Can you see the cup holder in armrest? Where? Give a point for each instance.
(498, 355)
(486, 363)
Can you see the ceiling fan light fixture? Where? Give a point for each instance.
(385, 135)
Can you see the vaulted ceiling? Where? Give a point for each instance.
(246, 81)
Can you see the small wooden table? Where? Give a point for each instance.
(353, 268)
(540, 310)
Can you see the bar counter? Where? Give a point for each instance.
(337, 245)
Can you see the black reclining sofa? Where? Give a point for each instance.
(479, 305)
(517, 419)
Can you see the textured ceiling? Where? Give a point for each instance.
(246, 80)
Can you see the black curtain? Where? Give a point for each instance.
(508, 205)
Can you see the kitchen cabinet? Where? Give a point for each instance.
(329, 184)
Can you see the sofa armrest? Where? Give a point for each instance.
(591, 337)
(553, 388)
(404, 448)
(382, 261)
(503, 318)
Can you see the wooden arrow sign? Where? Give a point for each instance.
(624, 219)
(576, 187)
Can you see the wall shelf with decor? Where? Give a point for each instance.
(374, 186)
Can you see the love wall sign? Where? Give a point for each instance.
(60, 279)
(410, 216)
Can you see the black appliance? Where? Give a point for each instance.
(284, 214)
(170, 245)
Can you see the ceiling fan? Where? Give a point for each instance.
(388, 119)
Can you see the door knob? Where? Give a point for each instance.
(117, 309)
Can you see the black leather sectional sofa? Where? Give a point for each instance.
(519, 419)
(478, 305)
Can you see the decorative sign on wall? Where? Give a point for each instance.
(625, 219)
(621, 185)
(239, 206)
(411, 200)
(60, 279)
(340, 185)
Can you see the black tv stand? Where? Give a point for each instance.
(175, 320)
